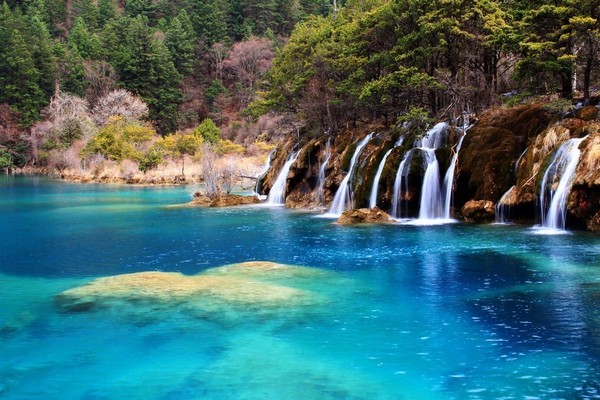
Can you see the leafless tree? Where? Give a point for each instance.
(102, 78)
(120, 102)
(248, 62)
(218, 54)
(210, 171)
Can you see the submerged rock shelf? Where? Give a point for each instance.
(230, 293)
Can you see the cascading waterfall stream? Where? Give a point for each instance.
(343, 197)
(503, 209)
(432, 206)
(277, 193)
(562, 168)
(375, 189)
(321, 178)
(401, 176)
(264, 170)
(449, 178)
(431, 195)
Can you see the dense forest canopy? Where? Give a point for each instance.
(331, 63)
(386, 58)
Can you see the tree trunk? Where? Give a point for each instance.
(567, 84)
(587, 73)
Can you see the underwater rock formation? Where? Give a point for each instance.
(230, 293)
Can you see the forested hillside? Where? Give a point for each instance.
(168, 65)
(384, 59)
(186, 60)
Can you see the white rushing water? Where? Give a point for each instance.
(375, 188)
(264, 170)
(503, 209)
(561, 169)
(449, 178)
(401, 177)
(321, 179)
(432, 206)
(277, 193)
(343, 197)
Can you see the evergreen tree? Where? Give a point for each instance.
(144, 65)
(88, 11)
(106, 12)
(20, 86)
(88, 44)
(144, 8)
(546, 49)
(71, 70)
(209, 18)
(41, 51)
(180, 40)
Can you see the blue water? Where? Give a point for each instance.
(413, 312)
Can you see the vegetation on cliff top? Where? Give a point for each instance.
(378, 59)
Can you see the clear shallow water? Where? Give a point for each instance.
(413, 312)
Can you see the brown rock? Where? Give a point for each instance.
(364, 216)
(229, 200)
(478, 211)
(588, 113)
(593, 224)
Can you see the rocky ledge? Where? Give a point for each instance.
(229, 200)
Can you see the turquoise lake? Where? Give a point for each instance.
(452, 311)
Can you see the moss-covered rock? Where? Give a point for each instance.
(486, 162)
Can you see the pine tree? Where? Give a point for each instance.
(20, 87)
(71, 70)
(209, 18)
(88, 44)
(144, 65)
(41, 51)
(181, 43)
(106, 12)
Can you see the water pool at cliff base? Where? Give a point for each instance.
(453, 311)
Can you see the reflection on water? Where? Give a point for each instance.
(413, 312)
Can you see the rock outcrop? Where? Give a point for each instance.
(478, 211)
(223, 200)
(364, 216)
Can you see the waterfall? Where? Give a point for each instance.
(375, 189)
(321, 179)
(264, 170)
(277, 192)
(432, 206)
(431, 195)
(562, 168)
(449, 178)
(343, 197)
(503, 209)
(401, 176)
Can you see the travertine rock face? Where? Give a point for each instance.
(505, 147)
